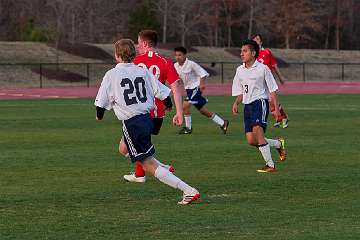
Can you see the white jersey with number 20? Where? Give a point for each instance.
(129, 90)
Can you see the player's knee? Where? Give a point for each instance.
(150, 165)
(251, 140)
(123, 150)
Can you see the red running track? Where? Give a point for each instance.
(211, 90)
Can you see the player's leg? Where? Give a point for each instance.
(284, 117)
(187, 117)
(123, 149)
(264, 149)
(283, 120)
(222, 123)
(255, 116)
(272, 110)
(137, 135)
(199, 101)
(190, 194)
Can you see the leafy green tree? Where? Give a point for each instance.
(142, 18)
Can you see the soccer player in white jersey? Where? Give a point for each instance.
(130, 91)
(253, 84)
(193, 76)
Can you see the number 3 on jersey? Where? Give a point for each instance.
(139, 82)
(246, 88)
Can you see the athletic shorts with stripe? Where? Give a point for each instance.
(137, 135)
(256, 114)
(194, 96)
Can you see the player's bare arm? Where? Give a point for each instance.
(178, 118)
(202, 84)
(273, 97)
(235, 107)
(276, 72)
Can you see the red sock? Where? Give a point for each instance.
(282, 112)
(139, 171)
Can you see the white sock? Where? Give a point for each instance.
(273, 143)
(187, 121)
(173, 181)
(161, 164)
(217, 119)
(266, 153)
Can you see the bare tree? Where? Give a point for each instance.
(164, 7)
(251, 18)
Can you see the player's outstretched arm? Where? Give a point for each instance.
(235, 107)
(178, 118)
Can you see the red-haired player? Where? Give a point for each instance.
(163, 69)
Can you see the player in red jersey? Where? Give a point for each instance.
(267, 58)
(165, 72)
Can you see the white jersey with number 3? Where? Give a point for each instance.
(129, 90)
(256, 82)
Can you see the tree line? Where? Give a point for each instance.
(322, 24)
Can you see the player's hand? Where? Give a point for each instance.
(277, 115)
(178, 119)
(202, 87)
(235, 108)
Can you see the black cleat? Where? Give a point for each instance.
(185, 130)
(225, 126)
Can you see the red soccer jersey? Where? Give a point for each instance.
(163, 69)
(266, 57)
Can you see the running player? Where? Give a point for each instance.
(266, 57)
(253, 84)
(193, 76)
(163, 69)
(130, 90)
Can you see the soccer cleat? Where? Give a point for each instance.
(266, 169)
(185, 130)
(277, 124)
(133, 178)
(171, 169)
(282, 150)
(225, 126)
(285, 123)
(189, 198)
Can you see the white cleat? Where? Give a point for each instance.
(132, 178)
(189, 198)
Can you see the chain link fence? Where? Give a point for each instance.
(43, 75)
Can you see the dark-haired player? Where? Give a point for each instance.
(253, 84)
(193, 76)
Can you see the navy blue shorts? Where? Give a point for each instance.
(137, 135)
(256, 114)
(195, 98)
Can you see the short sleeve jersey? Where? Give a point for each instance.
(129, 90)
(266, 57)
(256, 82)
(190, 73)
(163, 69)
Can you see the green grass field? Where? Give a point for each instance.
(61, 176)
